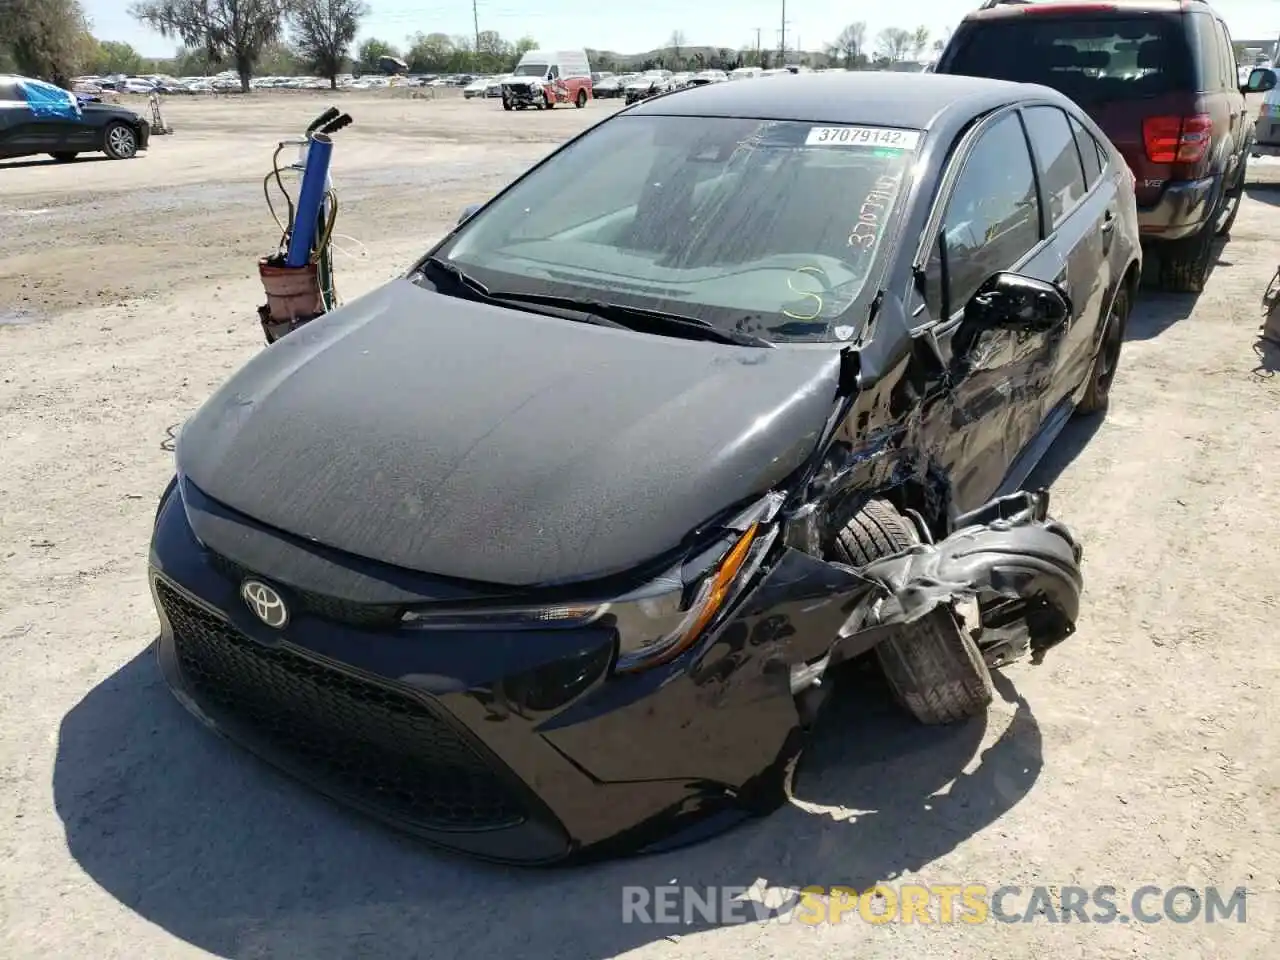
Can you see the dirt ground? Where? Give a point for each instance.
(1145, 750)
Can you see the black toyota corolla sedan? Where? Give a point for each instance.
(542, 550)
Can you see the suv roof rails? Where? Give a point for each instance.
(988, 4)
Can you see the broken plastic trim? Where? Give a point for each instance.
(1008, 550)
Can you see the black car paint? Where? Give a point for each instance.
(498, 425)
(605, 762)
(23, 134)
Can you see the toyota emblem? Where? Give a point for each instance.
(267, 605)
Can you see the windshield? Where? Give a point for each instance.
(1110, 58)
(531, 70)
(768, 228)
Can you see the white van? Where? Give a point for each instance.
(544, 78)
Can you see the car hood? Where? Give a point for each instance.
(110, 110)
(472, 441)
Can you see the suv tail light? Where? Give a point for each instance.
(1176, 139)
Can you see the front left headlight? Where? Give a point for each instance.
(657, 622)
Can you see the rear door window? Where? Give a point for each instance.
(1090, 151)
(1061, 173)
(1090, 60)
(10, 93)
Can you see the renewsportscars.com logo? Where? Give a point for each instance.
(933, 903)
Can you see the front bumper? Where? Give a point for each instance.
(520, 746)
(523, 96)
(1181, 210)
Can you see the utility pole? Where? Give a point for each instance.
(757, 46)
(782, 42)
(475, 16)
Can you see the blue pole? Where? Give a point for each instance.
(310, 200)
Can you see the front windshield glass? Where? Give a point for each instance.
(769, 228)
(531, 70)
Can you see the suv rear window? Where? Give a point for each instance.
(1090, 60)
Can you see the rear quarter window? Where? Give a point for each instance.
(10, 93)
(1088, 59)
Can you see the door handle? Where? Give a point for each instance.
(1108, 221)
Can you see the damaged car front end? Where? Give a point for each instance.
(533, 724)
(540, 578)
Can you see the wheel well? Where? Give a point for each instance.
(1132, 276)
(925, 499)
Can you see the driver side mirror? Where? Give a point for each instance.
(1261, 79)
(1011, 301)
(467, 213)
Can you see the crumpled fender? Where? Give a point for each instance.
(1009, 549)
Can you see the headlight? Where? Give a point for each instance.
(659, 621)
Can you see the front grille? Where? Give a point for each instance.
(375, 745)
(368, 616)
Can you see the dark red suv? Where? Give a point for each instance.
(1160, 78)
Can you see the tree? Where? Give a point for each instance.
(235, 30)
(849, 43)
(492, 52)
(111, 57)
(676, 46)
(429, 53)
(373, 50)
(192, 62)
(523, 46)
(48, 39)
(893, 43)
(919, 41)
(323, 31)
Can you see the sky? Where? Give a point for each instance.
(636, 27)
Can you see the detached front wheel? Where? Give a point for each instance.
(932, 666)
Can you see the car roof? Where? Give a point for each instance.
(910, 100)
(1070, 8)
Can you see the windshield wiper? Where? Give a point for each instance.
(637, 318)
(596, 312)
(555, 307)
(459, 276)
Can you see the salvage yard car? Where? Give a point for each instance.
(544, 78)
(37, 117)
(648, 84)
(1160, 77)
(542, 550)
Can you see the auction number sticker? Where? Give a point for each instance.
(885, 137)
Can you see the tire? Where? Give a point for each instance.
(580, 100)
(64, 156)
(506, 104)
(932, 666)
(120, 141)
(1103, 372)
(1184, 264)
(550, 100)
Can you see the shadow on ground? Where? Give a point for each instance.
(45, 161)
(196, 837)
(1268, 353)
(1264, 192)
